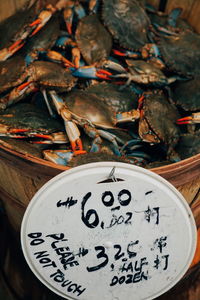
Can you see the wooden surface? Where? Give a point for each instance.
(155, 3)
(186, 5)
(20, 179)
(8, 7)
(18, 282)
(191, 9)
(193, 17)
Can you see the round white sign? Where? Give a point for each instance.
(108, 231)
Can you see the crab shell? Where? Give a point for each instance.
(188, 145)
(127, 21)
(93, 40)
(50, 75)
(147, 73)
(187, 94)
(161, 117)
(10, 71)
(28, 116)
(90, 107)
(181, 53)
(117, 99)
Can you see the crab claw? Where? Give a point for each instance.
(17, 94)
(91, 73)
(5, 53)
(42, 19)
(193, 119)
(68, 17)
(12, 132)
(57, 57)
(53, 138)
(76, 57)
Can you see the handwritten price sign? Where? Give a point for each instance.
(90, 236)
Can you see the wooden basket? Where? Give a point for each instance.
(22, 175)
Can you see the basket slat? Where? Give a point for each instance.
(186, 5)
(194, 14)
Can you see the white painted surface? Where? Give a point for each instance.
(92, 241)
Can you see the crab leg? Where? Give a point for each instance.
(12, 132)
(53, 138)
(44, 93)
(126, 53)
(71, 128)
(76, 57)
(93, 6)
(17, 94)
(42, 19)
(5, 53)
(68, 17)
(193, 119)
(58, 156)
(129, 116)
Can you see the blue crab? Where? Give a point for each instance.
(79, 109)
(187, 94)
(14, 27)
(127, 21)
(93, 40)
(181, 53)
(93, 114)
(153, 109)
(12, 69)
(47, 75)
(118, 100)
(26, 121)
(145, 73)
(188, 145)
(27, 24)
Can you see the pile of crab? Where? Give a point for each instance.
(82, 81)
